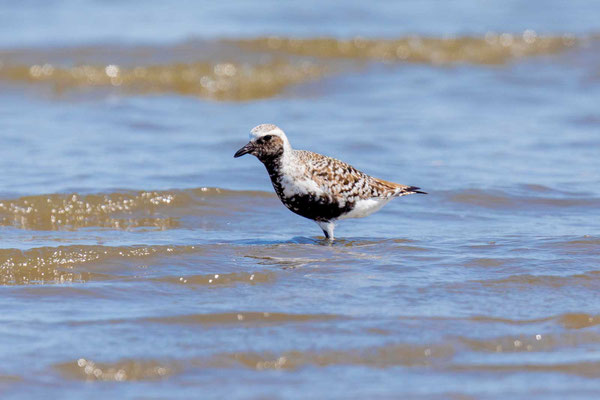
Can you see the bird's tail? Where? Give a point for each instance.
(400, 190)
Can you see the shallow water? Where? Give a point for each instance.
(138, 258)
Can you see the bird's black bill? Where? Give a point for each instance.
(415, 189)
(244, 150)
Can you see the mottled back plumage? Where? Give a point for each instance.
(342, 179)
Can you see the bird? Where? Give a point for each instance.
(318, 187)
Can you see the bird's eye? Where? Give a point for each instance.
(268, 137)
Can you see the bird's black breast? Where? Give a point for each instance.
(318, 208)
(311, 205)
(321, 207)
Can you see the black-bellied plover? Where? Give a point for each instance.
(318, 187)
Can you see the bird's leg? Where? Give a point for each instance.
(327, 227)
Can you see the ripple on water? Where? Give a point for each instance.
(381, 357)
(57, 265)
(583, 368)
(440, 356)
(81, 264)
(499, 200)
(268, 64)
(243, 317)
(540, 342)
(120, 210)
(590, 280)
(579, 320)
(587, 245)
(516, 352)
(215, 80)
(489, 49)
(221, 278)
(124, 370)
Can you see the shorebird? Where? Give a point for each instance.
(318, 187)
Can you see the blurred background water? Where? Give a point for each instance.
(138, 259)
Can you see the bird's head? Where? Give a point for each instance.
(267, 141)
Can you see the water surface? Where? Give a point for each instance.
(138, 258)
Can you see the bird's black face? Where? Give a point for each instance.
(264, 148)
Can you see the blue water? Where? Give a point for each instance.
(67, 22)
(175, 272)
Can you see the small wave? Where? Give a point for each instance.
(407, 355)
(586, 369)
(526, 281)
(585, 244)
(579, 320)
(247, 69)
(440, 355)
(244, 317)
(286, 262)
(218, 81)
(92, 263)
(66, 264)
(221, 279)
(490, 49)
(495, 199)
(489, 262)
(382, 357)
(539, 342)
(72, 211)
(567, 320)
(508, 321)
(124, 370)
(141, 370)
(121, 210)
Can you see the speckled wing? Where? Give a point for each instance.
(340, 179)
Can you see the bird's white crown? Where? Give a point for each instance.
(270, 129)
